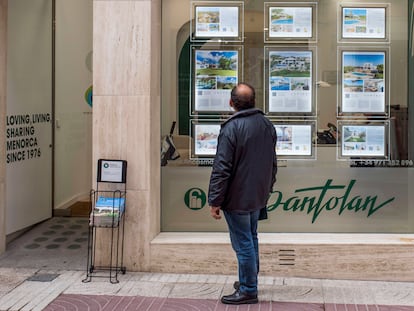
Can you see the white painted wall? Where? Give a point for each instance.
(73, 127)
(29, 93)
(29, 88)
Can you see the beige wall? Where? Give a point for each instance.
(126, 67)
(3, 87)
(73, 126)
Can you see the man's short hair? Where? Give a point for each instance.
(242, 99)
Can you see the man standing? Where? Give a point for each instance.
(242, 178)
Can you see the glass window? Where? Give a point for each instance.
(333, 77)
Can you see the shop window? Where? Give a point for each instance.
(333, 77)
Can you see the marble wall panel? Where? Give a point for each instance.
(127, 112)
(154, 217)
(338, 261)
(193, 258)
(154, 221)
(138, 234)
(103, 245)
(122, 49)
(121, 131)
(156, 51)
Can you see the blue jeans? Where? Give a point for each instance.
(243, 236)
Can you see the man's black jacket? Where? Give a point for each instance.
(245, 165)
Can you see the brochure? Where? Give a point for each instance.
(107, 211)
(110, 203)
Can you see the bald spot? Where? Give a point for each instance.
(243, 91)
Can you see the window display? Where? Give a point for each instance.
(364, 22)
(290, 81)
(294, 141)
(364, 140)
(363, 82)
(217, 20)
(289, 21)
(205, 139)
(215, 73)
(332, 76)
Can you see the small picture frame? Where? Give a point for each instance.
(363, 140)
(205, 138)
(290, 81)
(364, 23)
(295, 139)
(290, 22)
(215, 71)
(217, 21)
(112, 171)
(363, 82)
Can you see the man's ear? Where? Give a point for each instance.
(231, 103)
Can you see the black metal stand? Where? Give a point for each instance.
(107, 219)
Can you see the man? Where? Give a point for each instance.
(242, 178)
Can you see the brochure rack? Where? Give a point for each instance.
(107, 221)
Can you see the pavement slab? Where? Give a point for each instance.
(10, 278)
(45, 269)
(120, 303)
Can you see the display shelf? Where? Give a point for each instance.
(107, 221)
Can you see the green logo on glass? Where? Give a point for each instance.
(195, 198)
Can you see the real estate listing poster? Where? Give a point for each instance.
(359, 22)
(290, 22)
(363, 82)
(205, 139)
(364, 140)
(216, 72)
(216, 21)
(293, 140)
(290, 81)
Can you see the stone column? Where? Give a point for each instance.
(126, 112)
(3, 88)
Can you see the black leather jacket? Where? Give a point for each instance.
(245, 165)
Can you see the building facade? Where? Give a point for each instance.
(342, 205)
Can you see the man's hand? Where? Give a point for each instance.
(215, 212)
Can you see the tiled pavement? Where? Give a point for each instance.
(73, 302)
(44, 271)
(64, 290)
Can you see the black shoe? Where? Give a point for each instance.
(236, 285)
(238, 298)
